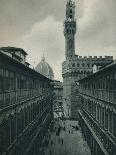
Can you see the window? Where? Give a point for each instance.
(70, 11)
(1, 72)
(7, 98)
(70, 16)
(114, 86)
(1, 100)
(73, 65)
(83, 65)
(114, 76)
(12, 81)
(23, 82)
(1, 79)
(6, 80)
(1, 142)
(18, 81)
(77, 65)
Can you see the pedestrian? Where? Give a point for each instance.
(50, 153)
(44, 153)
(62, 140)
(51, 142)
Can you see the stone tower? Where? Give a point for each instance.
(70, 29)
(75, 67)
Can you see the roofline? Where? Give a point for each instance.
(14, 48)
(18, 63)
(101, 70)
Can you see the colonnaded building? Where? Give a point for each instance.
(25, 104)
(75, 67)
(97, 112)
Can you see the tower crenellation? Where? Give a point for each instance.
(70, 10)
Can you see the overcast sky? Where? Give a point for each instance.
(37, 27)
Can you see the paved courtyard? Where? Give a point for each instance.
(65, 138)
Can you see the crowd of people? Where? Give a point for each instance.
(53, 136)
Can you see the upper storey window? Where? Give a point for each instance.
(77, 65)
(1, 72)
(73, 65)
(70, 16)
(114, 76)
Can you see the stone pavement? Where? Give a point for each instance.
(66, 140)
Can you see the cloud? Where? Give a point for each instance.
(46, 38)
(18, 16)
(97, 33)
(37, 26)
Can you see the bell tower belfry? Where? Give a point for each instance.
(70, 29)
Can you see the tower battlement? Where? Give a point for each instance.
(90, 58)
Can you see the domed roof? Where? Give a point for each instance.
(45, 69)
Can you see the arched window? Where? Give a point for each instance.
(70, 11)
(77, 65)
(73, 65)
(1, 142)
(70, 16)
(81, 72)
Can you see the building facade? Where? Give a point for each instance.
(75, 67)
(97, 114)
(57, 96)
(17, 54)
(25, 106)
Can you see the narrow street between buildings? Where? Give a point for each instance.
(64, 137)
